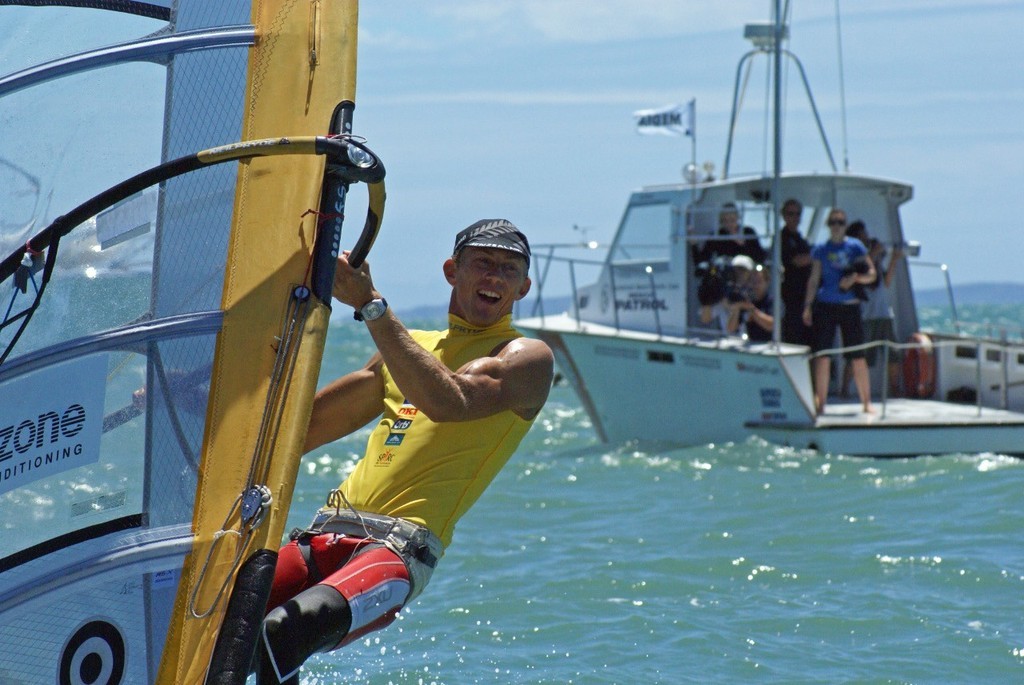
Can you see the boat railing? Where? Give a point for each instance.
(888, 347)
(987, 329)
(545, 278)
(545, 257)
(990, 330)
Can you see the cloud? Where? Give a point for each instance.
(530, 97)
(492, 23)
(589, 22)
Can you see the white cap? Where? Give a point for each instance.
(742, 261)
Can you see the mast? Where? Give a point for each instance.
(776, 172)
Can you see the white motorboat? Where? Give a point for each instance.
(632, 345)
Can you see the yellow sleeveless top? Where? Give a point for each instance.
(432, 473)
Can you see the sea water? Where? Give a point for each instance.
(740, 562)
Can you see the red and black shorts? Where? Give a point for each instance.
(370, 576)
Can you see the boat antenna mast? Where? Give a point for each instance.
(763, 36)
(779, 33)
(842, 90)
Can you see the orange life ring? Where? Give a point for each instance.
(919, 368)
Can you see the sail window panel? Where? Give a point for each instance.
(72, 593)
(66, 140)
(33, 35)
(76, 305)
(192, 242)
(197, 15)
(116, 504)
(204, 110)
(60, 472)
(179, 376)
(74, 456)
(38, 630)
(204, 107)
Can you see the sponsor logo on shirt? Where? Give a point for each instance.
(395, 439)
(402, 424)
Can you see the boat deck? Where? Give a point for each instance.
(915, 413)
(905, 428)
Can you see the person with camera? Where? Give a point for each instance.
(840, 263)
(723, 281)
(878, 312)
(731, 239)
(752, 307)
(876, 306)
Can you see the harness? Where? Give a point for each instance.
(405, 538)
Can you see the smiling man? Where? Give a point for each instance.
(453, 406)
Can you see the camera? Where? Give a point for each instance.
(911, 248)
(858, 267)
(735, 294)
(718, 282)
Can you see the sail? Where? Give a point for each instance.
(164, 312)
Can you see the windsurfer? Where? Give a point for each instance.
(455, 405)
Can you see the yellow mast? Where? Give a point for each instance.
(302, 64)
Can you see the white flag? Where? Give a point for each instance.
(671, 120)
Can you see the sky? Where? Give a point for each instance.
(523, 109)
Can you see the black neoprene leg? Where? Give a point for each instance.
(314, 620)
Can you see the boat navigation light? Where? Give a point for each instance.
(691, 173)
(762, 35)
(360, 157)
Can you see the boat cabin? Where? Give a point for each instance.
(653, 271)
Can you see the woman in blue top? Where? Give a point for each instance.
(832, 301)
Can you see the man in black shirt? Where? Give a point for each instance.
(796, 264)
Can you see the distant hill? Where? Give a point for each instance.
(967, 294)
(552, 305)
(974, 293)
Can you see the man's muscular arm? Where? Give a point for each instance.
(346, 405)
(516, 376)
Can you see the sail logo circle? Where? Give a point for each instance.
(93, 656)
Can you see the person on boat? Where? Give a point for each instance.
(796, 268)
(722, 285)
(840, 263)
(754, 311)
(876, 308)
(452, 407)
(731, 239)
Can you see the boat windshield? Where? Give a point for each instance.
(644, 234)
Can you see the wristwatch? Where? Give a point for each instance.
(374, 309)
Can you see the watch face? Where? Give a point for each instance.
(373, 309)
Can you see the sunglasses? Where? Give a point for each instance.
(837, 222)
